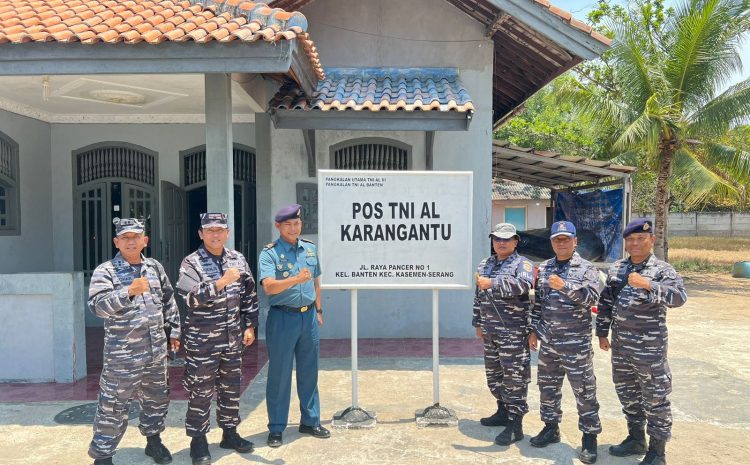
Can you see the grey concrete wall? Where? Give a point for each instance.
(42, 337)
(536, 211)
(165, 139)
(727, 224)
(398, 313)
(32, 249)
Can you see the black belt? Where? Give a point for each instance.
(285, 308)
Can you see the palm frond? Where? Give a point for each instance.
(698, 180)
(594, 105)
(634, 68)
(702, 49)
(718, 115)
(733, 162)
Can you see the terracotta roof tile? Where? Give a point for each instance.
(380, 89)
(152, 21)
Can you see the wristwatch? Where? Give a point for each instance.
(319, 310)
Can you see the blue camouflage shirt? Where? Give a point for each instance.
(280, 260)
(504, 308)
(636, 315)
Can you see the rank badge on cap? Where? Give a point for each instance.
(563, 228)
(126, 225)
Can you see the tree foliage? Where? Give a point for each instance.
(656, 98)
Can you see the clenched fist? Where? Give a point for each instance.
(556, 282)
(304, 276)
(230, 276)
(636, 280)
(138, 286)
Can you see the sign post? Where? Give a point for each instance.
(395, 230)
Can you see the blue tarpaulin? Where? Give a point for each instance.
(599, 211)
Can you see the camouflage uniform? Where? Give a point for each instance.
(503, 314)
(213, 336)
(135, 349)
(562, 321)
(639, 340)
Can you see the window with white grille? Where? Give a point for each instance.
(10, 208)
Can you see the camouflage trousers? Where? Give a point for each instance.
(507, 364)
(576, 360)
(643, 385)
(118, 385)
(206, 373)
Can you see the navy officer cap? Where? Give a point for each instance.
(289, 212)
(214, 220)
(126, 225)
(641, 225)
(562, 228)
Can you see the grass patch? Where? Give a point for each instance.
(716, 255)
(737, 244)
(701, 266)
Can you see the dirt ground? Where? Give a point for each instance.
(711, 407)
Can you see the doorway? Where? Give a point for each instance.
(193, 175)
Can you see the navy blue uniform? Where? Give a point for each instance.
(502, 312)
(291, 333)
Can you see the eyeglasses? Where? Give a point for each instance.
(500, 239)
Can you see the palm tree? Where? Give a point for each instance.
(665, 102)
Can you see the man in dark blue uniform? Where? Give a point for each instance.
(222, 312)
(501, 316)
(634, 304)
(566, 288)
(289, 271)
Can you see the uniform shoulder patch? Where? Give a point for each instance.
(306, 240)
(526, 266)
(270, 245)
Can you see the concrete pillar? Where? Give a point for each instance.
(219, 139)
(263, 183)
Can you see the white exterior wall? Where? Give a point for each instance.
(165, 139)
(397, 313)
(32, 249)
(536, 211)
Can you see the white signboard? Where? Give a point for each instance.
(395, 229)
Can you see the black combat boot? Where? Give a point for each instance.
(156, 450)
(548, 435)
(199, 451)
(634, 444)
(231, 440)
(107, 461)
(655, 454)
(513, 431)
(588, 448)
(499, 418)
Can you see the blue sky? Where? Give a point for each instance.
(580, 8)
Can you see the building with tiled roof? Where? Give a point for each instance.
(168, 108)
(503, 189)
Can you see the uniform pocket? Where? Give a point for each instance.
(661, 379)
(312, 261)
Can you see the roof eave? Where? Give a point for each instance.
(55, 58)
(536, 16)
(368, 120)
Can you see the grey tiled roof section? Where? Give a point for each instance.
(513, 190)
(380, 89)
